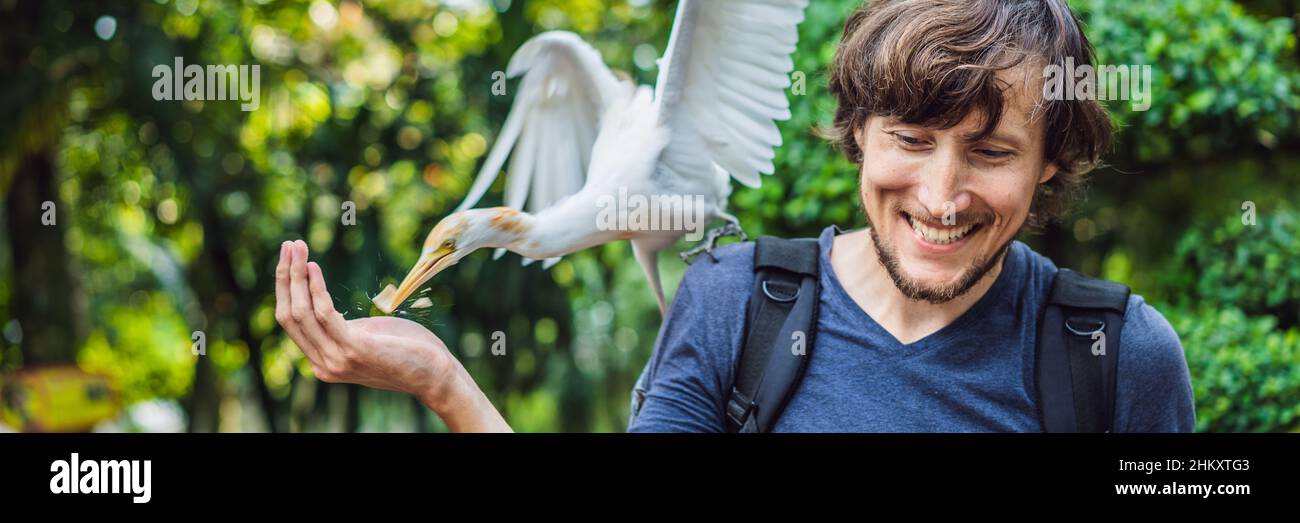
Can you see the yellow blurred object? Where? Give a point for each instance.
(56, 399)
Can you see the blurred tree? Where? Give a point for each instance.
(171, 213)
(43, 299)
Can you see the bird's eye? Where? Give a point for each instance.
(447, 244)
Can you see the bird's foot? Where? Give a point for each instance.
(711, 240)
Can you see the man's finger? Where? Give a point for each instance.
(284, 303)
(330, 319)
(301, 306)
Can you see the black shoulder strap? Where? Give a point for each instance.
(1078, 353)
(780, 325)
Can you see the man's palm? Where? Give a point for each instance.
(397, 327)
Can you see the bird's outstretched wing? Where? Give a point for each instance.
(552, 123)
(721, 85)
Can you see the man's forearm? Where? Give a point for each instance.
(464, 407)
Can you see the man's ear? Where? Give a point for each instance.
(1049, 170)
(859, 133)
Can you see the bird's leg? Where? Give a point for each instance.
(732, 228)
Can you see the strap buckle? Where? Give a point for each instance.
(739, 408)
(1088, 327)
(780, 299)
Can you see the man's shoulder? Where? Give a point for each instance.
(1154, 378)
(727, 273)
(1148, 336)
(1140, 318)
(1144, 326)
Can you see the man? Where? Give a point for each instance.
(928, 317)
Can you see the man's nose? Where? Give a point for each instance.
(943, 184)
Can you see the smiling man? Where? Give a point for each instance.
(928, 320)
(931, 319)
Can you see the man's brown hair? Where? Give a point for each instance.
(932, 62)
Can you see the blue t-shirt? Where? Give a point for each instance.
(974, 375)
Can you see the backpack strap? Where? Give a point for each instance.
(780, 323)
(1078, 353)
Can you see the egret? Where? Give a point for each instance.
(577, 135)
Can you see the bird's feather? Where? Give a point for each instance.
(722, 82)
(552, 123)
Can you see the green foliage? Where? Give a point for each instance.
(1245, 371)
(1248, 266)
(1235, 289)
(1223, 79)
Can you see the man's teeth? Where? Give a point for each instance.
(940, 236)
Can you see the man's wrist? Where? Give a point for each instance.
(462, 405)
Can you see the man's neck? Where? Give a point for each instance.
(856, 264)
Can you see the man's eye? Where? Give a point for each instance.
(908, 140)
(993, 153)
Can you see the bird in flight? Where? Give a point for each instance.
(579, 140)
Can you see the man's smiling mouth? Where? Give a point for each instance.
(937, 233)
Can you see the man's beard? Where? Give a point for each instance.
(941, 294)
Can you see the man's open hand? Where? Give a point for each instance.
(383, 352)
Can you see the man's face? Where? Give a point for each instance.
(944, 207)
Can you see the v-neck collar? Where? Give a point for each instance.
(939, 338)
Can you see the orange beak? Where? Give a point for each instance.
(429, 264)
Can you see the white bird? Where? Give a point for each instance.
(578, 139)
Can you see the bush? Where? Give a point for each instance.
(1222, 79)
(1245, 372)
(1250, 267)
(1236, 290)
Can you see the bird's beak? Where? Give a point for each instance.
(429, 264)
